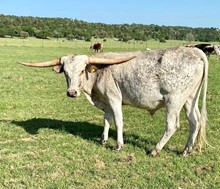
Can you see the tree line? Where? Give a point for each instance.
(14, 26)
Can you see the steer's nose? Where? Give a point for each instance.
(72, 93)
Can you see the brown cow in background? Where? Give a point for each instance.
(98, 47)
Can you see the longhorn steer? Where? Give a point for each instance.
(172, 78)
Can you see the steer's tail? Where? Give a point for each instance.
(203, 119)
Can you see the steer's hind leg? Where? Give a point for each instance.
(193, 115)
(172, 123)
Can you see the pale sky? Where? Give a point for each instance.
(192, 13)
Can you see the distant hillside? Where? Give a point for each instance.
(73, 28)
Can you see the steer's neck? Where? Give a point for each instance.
(88, 82)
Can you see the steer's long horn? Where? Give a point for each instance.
(98, 60)
(42, 64)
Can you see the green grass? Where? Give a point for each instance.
(51, 141)
(82, 46)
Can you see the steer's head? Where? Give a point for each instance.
(74, 68)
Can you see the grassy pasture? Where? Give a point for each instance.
(51, 141)
(84, 46)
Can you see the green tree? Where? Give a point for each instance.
(190, 37)
(70, 37)
(41, 34)
(3, 32)
(56, 34)
(24, 34)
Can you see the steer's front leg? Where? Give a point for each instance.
(118, 120)
(107, 122)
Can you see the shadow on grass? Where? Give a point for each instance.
(85, 130)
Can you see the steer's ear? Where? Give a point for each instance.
(58, 69)
(91, 68)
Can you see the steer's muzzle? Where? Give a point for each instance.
(72, 94)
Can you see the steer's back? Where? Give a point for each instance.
(153, 77)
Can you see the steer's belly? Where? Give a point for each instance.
(144, 101)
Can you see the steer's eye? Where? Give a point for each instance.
(81, 72)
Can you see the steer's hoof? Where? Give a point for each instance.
(154, 153)
(118, 147)
(103, 141)
(186, 153)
